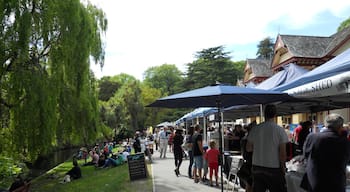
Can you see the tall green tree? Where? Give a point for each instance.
(265, 48)
(149, 95)
(161, 81)
(344, 24)
(165, 77)
(125, 108)
(107, 88)
(211, 65)
(239, 68)
(47, 92)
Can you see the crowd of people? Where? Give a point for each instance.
(203, 159)
(101, 156)
(326, 153)
(265, 150)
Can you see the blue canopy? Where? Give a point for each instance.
(199, 112)
(290, 72)
(339, 64)
(220, 96)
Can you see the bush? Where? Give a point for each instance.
(9, 169)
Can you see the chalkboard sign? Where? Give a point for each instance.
(137, 166)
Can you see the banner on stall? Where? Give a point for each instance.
(335, 85)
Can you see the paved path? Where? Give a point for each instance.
(165, 180)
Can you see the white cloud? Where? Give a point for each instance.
(148, 33)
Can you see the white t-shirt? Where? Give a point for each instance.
(125, 155)
(266, 138)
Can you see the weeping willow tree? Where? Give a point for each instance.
(47, 92)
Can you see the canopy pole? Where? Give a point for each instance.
(218, 104)
(261, 113)
(222, 133)
(205, 129)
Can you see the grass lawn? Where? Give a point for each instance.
(93, 180)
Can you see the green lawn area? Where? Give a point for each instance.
(93, 180)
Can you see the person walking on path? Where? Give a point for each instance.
(163, 142)
(197, 150)
(268, 142)
(189, 148)
(165, 182)
(177, 149)
(171, 135)
(327, 155)
(212, 156)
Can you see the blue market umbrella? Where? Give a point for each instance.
(220, 96)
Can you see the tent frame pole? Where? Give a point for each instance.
(218, 105)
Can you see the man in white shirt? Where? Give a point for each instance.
(268, 142)
(163, 142)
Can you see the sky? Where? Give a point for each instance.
(147, 33)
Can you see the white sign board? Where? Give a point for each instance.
(335, 85)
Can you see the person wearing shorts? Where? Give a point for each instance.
(197, 150)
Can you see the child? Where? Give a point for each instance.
(205, 164)
(212, 155)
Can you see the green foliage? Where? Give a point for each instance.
(212, 65)
(124, 133)
(239, 68)
(265, 48)
(149, 95)
(8, 169)
(344, 24)
(107, 88)
(165, 78)
(158, 82)
(124, 110)
(47, 93)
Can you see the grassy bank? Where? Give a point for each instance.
(93, 180)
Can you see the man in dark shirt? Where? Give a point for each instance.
(238, 134)
(197, 150)
(75, 172)
(327, 154)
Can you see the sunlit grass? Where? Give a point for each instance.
(93, 180)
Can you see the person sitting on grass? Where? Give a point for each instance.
(101, 160)
(113, 161)
(94, 159)
(125, 154)
(74, 173)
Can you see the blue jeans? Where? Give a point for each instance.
(110, 162)
(190, 165)
(198, 162)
